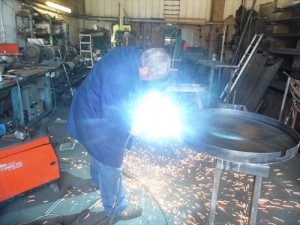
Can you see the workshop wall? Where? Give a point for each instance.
(190, 10)
(7, 21)
(204, 19)
(146, 15)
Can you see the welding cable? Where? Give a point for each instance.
(114, 207)
(47, 213)
(86, 211)
(129, 138)
(156, 201)
(61, 198)
(102, 221)
(117, 199)
(44, 217)
(66, 73)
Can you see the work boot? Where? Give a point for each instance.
(128, 214)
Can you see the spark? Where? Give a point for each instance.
(278, 219)
(178, 180)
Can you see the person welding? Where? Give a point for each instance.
(100, 121)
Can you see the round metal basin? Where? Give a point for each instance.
(241, 136)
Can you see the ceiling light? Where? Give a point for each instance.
(59, 7)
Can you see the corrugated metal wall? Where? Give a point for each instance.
(146, 9)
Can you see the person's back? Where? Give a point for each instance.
(99, 104)
(98, 117)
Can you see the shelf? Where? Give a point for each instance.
(86, 49)
(290, 69)
(47, 19)
(286, 51)
(40, 26)
(286, 36)
(283, 21)
(289, 7)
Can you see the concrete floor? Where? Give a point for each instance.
(170, 181)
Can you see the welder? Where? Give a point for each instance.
(99, 117)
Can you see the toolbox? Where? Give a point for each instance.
(27, 165)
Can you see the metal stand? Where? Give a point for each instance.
(257, 170)
(216, 65)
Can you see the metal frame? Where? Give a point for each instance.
(253, 159)
(257, 170)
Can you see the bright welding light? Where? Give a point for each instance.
(157, 116)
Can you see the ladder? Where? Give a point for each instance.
(235, 76)
(86, 49)
(171, 9)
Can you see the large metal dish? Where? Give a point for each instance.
(241, 136)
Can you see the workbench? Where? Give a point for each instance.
(29, 89)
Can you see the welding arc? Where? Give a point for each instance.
(162, 211)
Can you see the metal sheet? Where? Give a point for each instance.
(241, 136)
(254, 82)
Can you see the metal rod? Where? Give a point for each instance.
(243, 33)
(214, 197)
(229, 87)
(223, 43)
(66, 73)
(255, 198)
(211, 78)
(244, 60)
(247, 60)
(284, 95)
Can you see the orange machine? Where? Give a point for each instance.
(26, 166)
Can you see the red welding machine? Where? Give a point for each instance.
(26, 166)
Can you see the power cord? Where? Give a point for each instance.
(42, 217)
(85, 211)
(66, 73)
(117, 199)
(161, 209)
